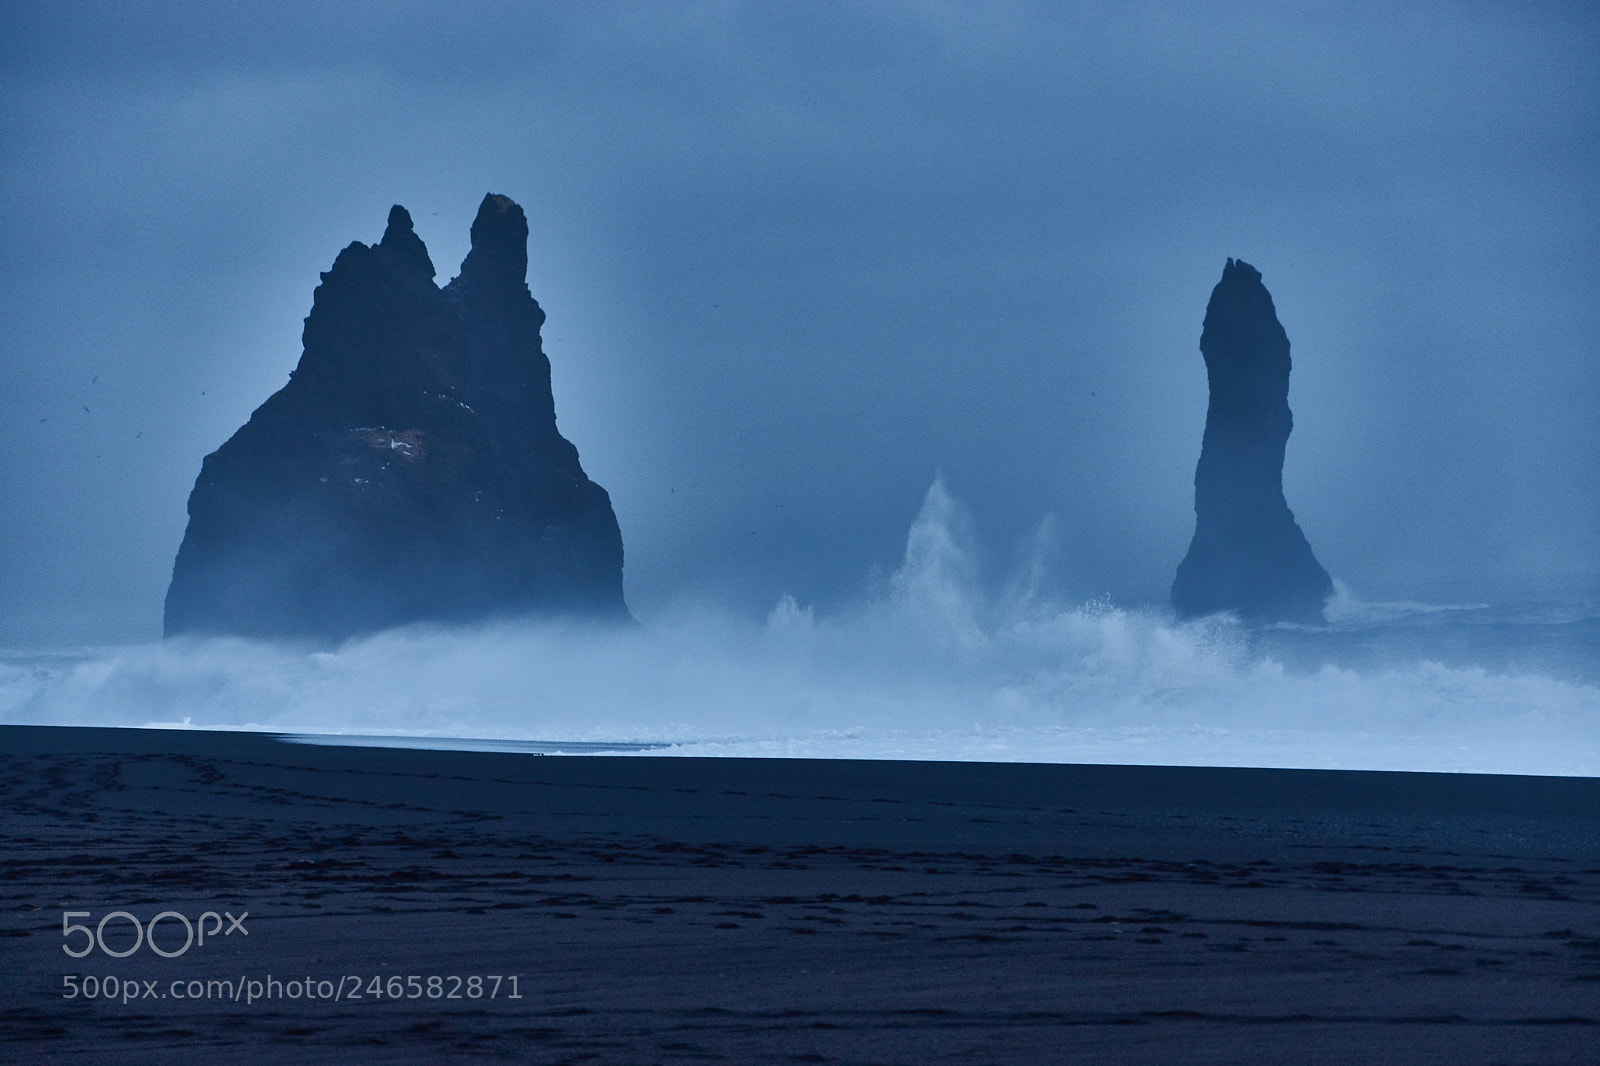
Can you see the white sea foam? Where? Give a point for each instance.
(931, 668)
(1345, 608)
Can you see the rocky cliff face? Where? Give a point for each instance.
(410, 470)
(1248, 554)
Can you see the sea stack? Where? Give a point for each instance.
(410, 470)
(1248, 555)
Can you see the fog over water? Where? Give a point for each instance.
(797, 260)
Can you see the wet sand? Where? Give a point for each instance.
(658, 909)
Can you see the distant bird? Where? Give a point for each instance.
(86, 411)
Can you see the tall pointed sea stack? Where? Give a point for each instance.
(1248, 555)
(410, 470)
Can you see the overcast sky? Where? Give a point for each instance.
(799, 258)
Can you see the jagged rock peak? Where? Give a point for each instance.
(402, 249)
(1239, 269)
(1248, 555)
(400, 224)
(499, 255)
(410, 471)
(1241, 326)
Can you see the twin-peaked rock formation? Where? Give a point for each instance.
(411, 468)
(1248, 555)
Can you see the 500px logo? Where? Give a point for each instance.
(146, 934)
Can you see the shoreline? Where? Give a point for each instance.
(750, 910)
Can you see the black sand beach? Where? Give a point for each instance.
(657, 909)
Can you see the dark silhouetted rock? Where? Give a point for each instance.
(1248, 555)
(410, 470)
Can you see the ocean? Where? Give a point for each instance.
(929, 667)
